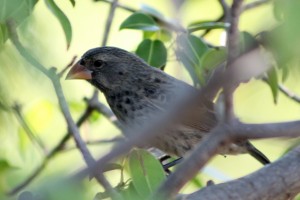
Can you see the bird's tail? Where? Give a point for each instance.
(258, 155)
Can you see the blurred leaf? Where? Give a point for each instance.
(63, 20)
(57, 188)
(193, 47)
(148, 34)
(3, 34)
(285, 73)
(207, 25)
(165, 35)
(5, 165)
(273, 83)
(140, 21)
(95, 116)
(278, 14)
(40, 110)
(17, 10)
(146, 172)
(213, 58)
(73, 3)
(153, 52)
(130, 193)
(26, 195)
(196, 181)
(151, 11)
(190, 51)
(247, 42)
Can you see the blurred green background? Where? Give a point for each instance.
(42, 34)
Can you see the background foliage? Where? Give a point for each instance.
(55, 31)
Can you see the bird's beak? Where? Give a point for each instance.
(79, 72)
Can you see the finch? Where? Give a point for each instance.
(134, 90)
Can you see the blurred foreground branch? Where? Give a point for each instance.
(277, 181)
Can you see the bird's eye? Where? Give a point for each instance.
(98, 63)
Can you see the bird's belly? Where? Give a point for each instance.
(180, 140)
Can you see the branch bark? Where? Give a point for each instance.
(277, 181)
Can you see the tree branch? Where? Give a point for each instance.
(109, 20)
(33, 137)
(51, 154)
(220, 137)
(277, 181)
(285, 91)
(104, 110)
(72, 128)
(255, 4)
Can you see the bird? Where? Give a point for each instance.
(135, 91)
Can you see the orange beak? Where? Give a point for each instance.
(79, 72)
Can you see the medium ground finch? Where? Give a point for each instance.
(135, 91)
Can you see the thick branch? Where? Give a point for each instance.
(277, 181)
(220, 137)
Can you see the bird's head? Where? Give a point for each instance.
(107, 67)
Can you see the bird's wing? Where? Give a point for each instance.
(202, 117)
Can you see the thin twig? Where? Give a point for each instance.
(32, 136)
(11, 26)
(50, 155)
(109, 20)
(129, 9)
(60, 74)
(285, 91)
(233, 32)
(233, 52)
(226, 10)
(29, 179)
(51, 74)
(97, 142)
(104, 110)
(255, 4)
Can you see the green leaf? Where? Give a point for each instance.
(148, 34)
(140, 21)
(247, 42)
(196, 181)
(153, 52)
(63, 20)
(146, 172)
(273, 83)
(73, 3)
(5, 165)
(130, 193)
(207, 25)
(285, 73)
(17, 10)
(3, 34)
(277, 10)
(152, 11)
(213, 58)
(190, 51)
